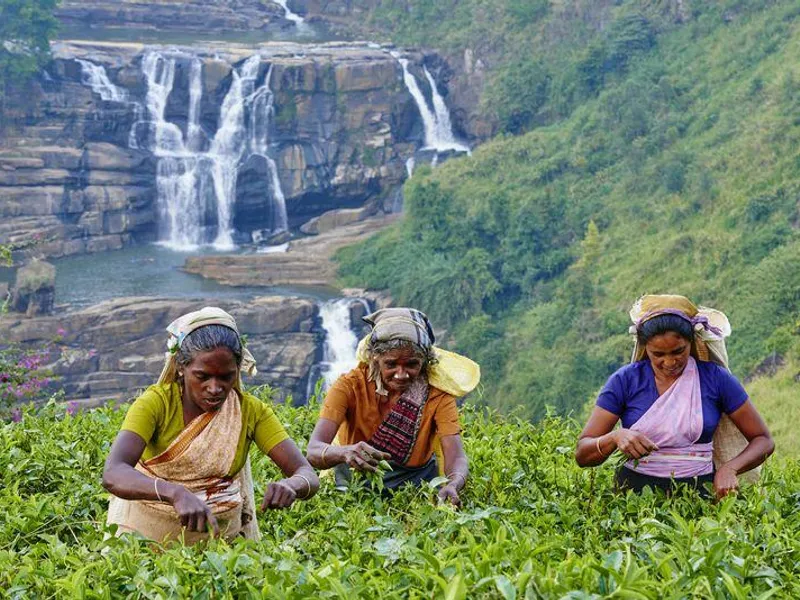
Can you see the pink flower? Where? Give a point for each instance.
(61, 332)
(16, 415)
(72, 407)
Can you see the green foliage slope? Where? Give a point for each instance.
(679, 175)
(533, 525)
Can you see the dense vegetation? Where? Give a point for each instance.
(533, 525)
(26, 27)
(662, 158)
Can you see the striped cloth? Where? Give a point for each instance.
(401, 324)
(397, 434)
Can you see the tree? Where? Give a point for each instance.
(26, 27)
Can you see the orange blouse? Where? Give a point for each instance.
(353, 404)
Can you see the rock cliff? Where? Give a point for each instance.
(113, 349)
(76, 169)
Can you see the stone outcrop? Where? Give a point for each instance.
(334, 219)
(116, 348)
(343, 127)
(34, 290)
(307, 261)
(185, 15)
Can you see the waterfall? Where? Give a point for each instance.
(289, 15)
(95, 77)
(438, 128)
(339, 351)
(196, 188)
(261, 112)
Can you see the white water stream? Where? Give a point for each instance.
(294, 17)
(95, 77)
(196, 188)
(438, 127)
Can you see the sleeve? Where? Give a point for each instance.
(731, 392)
(268, 431)
(446, 417)
(145, 415)
(612, 396)
(336, 401)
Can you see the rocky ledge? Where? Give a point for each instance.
(114, 349)
(306, 261)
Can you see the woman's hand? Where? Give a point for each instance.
(449, 493)
(725, 482)
(193, 513)
(279, 494)
(633, 444)
(363, 457)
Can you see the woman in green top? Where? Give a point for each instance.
(179, 465)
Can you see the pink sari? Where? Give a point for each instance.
(674, 423)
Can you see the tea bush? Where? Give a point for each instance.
(533, 525)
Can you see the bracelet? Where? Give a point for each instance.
(597, 444)
(155, 485)
(322, 458)
(308, 484)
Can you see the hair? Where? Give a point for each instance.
(376, 348)
(661, 324)
(207, 338)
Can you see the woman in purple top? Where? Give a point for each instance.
(670, 404)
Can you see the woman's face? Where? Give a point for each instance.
(399, 368)
(668, 354)
(208, 379)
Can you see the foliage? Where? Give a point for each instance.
(26, 27)
(22, 376)
(35, 275)
(680, 149)
(533, 525)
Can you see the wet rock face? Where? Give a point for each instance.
(116, 348)
(343, 126)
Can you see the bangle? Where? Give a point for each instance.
(155, 485)
(597, 444)
(308, 484)
(322, 458)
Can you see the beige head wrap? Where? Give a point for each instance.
(183, 326)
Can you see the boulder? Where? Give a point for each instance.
(34, 290)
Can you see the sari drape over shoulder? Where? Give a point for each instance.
(199, 459)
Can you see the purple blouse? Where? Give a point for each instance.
(631, 391)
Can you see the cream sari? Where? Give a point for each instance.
(198, 459)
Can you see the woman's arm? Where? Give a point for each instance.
(760, 446)
(597, 441)
(301, 481)
(324, 455)
(456, 468)
(122, 480)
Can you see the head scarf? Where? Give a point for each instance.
(406, 324)
(183, 326)
(452, 373)
(711, 327)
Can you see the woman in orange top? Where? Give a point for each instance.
(388, 408)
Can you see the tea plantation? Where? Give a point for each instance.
(533, 525)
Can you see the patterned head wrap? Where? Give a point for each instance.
(184, 325)
(406, 324)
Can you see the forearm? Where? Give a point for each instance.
(755, 453)
(593, 451)
(458, 471)
(324, 456)
(304, 482)
(126, 482)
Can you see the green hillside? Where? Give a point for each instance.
(533, 525)
(672, 166)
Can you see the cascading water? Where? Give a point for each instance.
(339, 351)
(261, 112)
(438, 128)
(95, 77)
(196, 188)
(290, 16)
